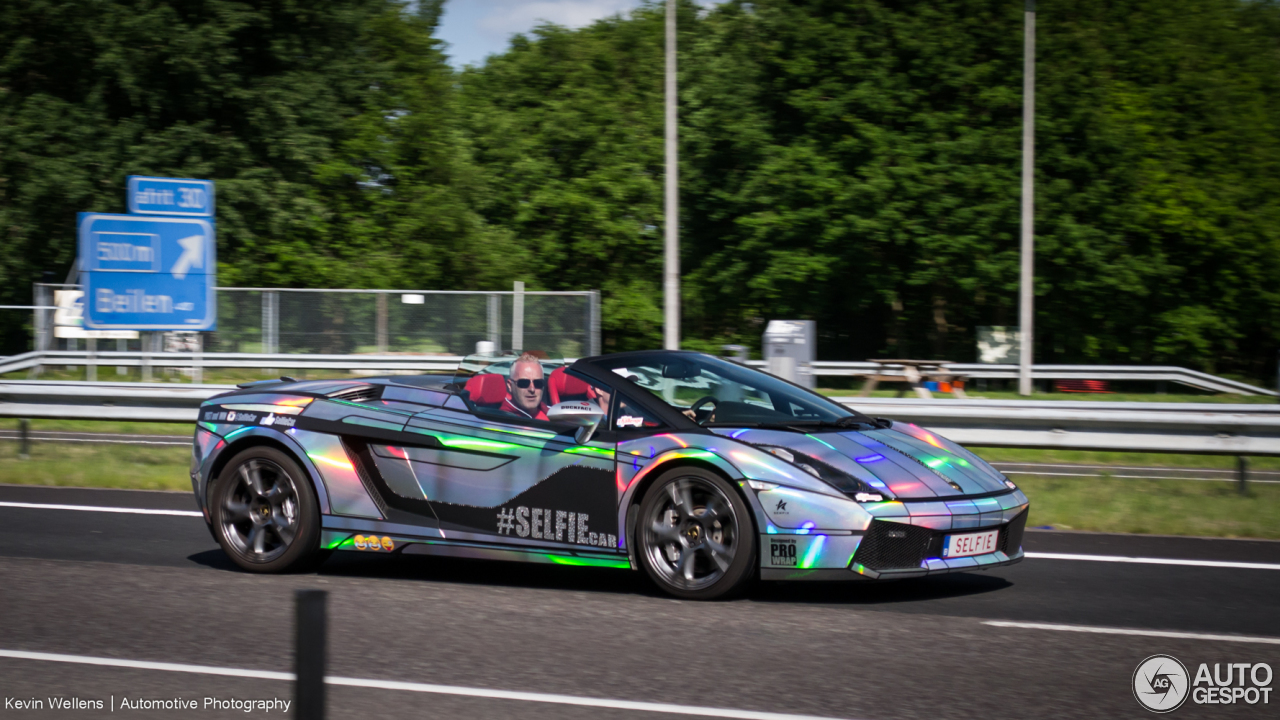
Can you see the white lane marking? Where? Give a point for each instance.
(1155, 561)
(96, 508)
(146, 665)
(104, 438)
(667, 708)
(1130, 631)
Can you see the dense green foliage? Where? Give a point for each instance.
(326, 125)
(856, 162)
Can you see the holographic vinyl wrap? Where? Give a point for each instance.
(482, 475)
(347, 495)
(807, 552)
(789, 508)
(437, 478)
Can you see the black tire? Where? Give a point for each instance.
(265, 513)
(694, 535)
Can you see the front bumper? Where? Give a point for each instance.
(891, 550)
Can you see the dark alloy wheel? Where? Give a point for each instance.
(265, 514)
(695, 536)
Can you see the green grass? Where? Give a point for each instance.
(95, 426)
(88, 465)
(1086, 457)
(1158, 507)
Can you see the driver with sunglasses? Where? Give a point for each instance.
(525, 387)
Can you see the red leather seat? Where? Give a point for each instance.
(489, 389)
(562, 386)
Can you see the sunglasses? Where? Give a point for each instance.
(523, 383)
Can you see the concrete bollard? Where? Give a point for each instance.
(24, 439)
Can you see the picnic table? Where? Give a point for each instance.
(915, 373)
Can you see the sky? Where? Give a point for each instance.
(475, 29)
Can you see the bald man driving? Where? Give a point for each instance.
(525, 388)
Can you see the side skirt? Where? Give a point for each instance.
(412, 545)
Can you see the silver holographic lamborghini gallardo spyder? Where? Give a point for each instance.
(703, 472)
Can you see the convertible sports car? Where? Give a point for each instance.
(701, 471)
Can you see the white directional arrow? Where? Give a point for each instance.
(192, 256)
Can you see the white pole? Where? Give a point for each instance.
(671, 264)
(517, 317)
(91, 365)
(1026, 300)
(197, 367)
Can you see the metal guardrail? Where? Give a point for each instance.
(1129, 427)
(427, 363)
(414, 363)
(1122, 427)
(128, 402)
(975, 371)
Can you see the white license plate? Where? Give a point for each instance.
(979, 543)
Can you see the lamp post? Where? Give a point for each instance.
(1026, 300)
(671, 263)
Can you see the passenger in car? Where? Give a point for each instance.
(525, 387)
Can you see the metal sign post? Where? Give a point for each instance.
(671, 262)
(1026, 300)
(517, 316)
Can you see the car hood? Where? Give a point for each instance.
(906, 460)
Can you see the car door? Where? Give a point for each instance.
(490, 476)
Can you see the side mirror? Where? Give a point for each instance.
(582, 414)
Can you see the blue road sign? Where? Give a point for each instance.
(170, 196)
(147, 273)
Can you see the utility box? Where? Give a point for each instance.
(789, 348)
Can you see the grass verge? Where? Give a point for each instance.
(96, 426)
(90, 465)
(1155, 507)
(1122, 459)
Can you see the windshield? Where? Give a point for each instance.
(712, 391)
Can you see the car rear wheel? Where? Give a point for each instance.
(695, 536)
(265, 513)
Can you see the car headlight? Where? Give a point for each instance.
(790, 457)
(839, 479)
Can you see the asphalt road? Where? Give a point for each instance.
(156, 588)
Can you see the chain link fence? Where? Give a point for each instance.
(349, 322)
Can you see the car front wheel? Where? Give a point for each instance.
(265, 513)
(695, 536)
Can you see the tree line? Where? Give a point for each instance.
(855, 162)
